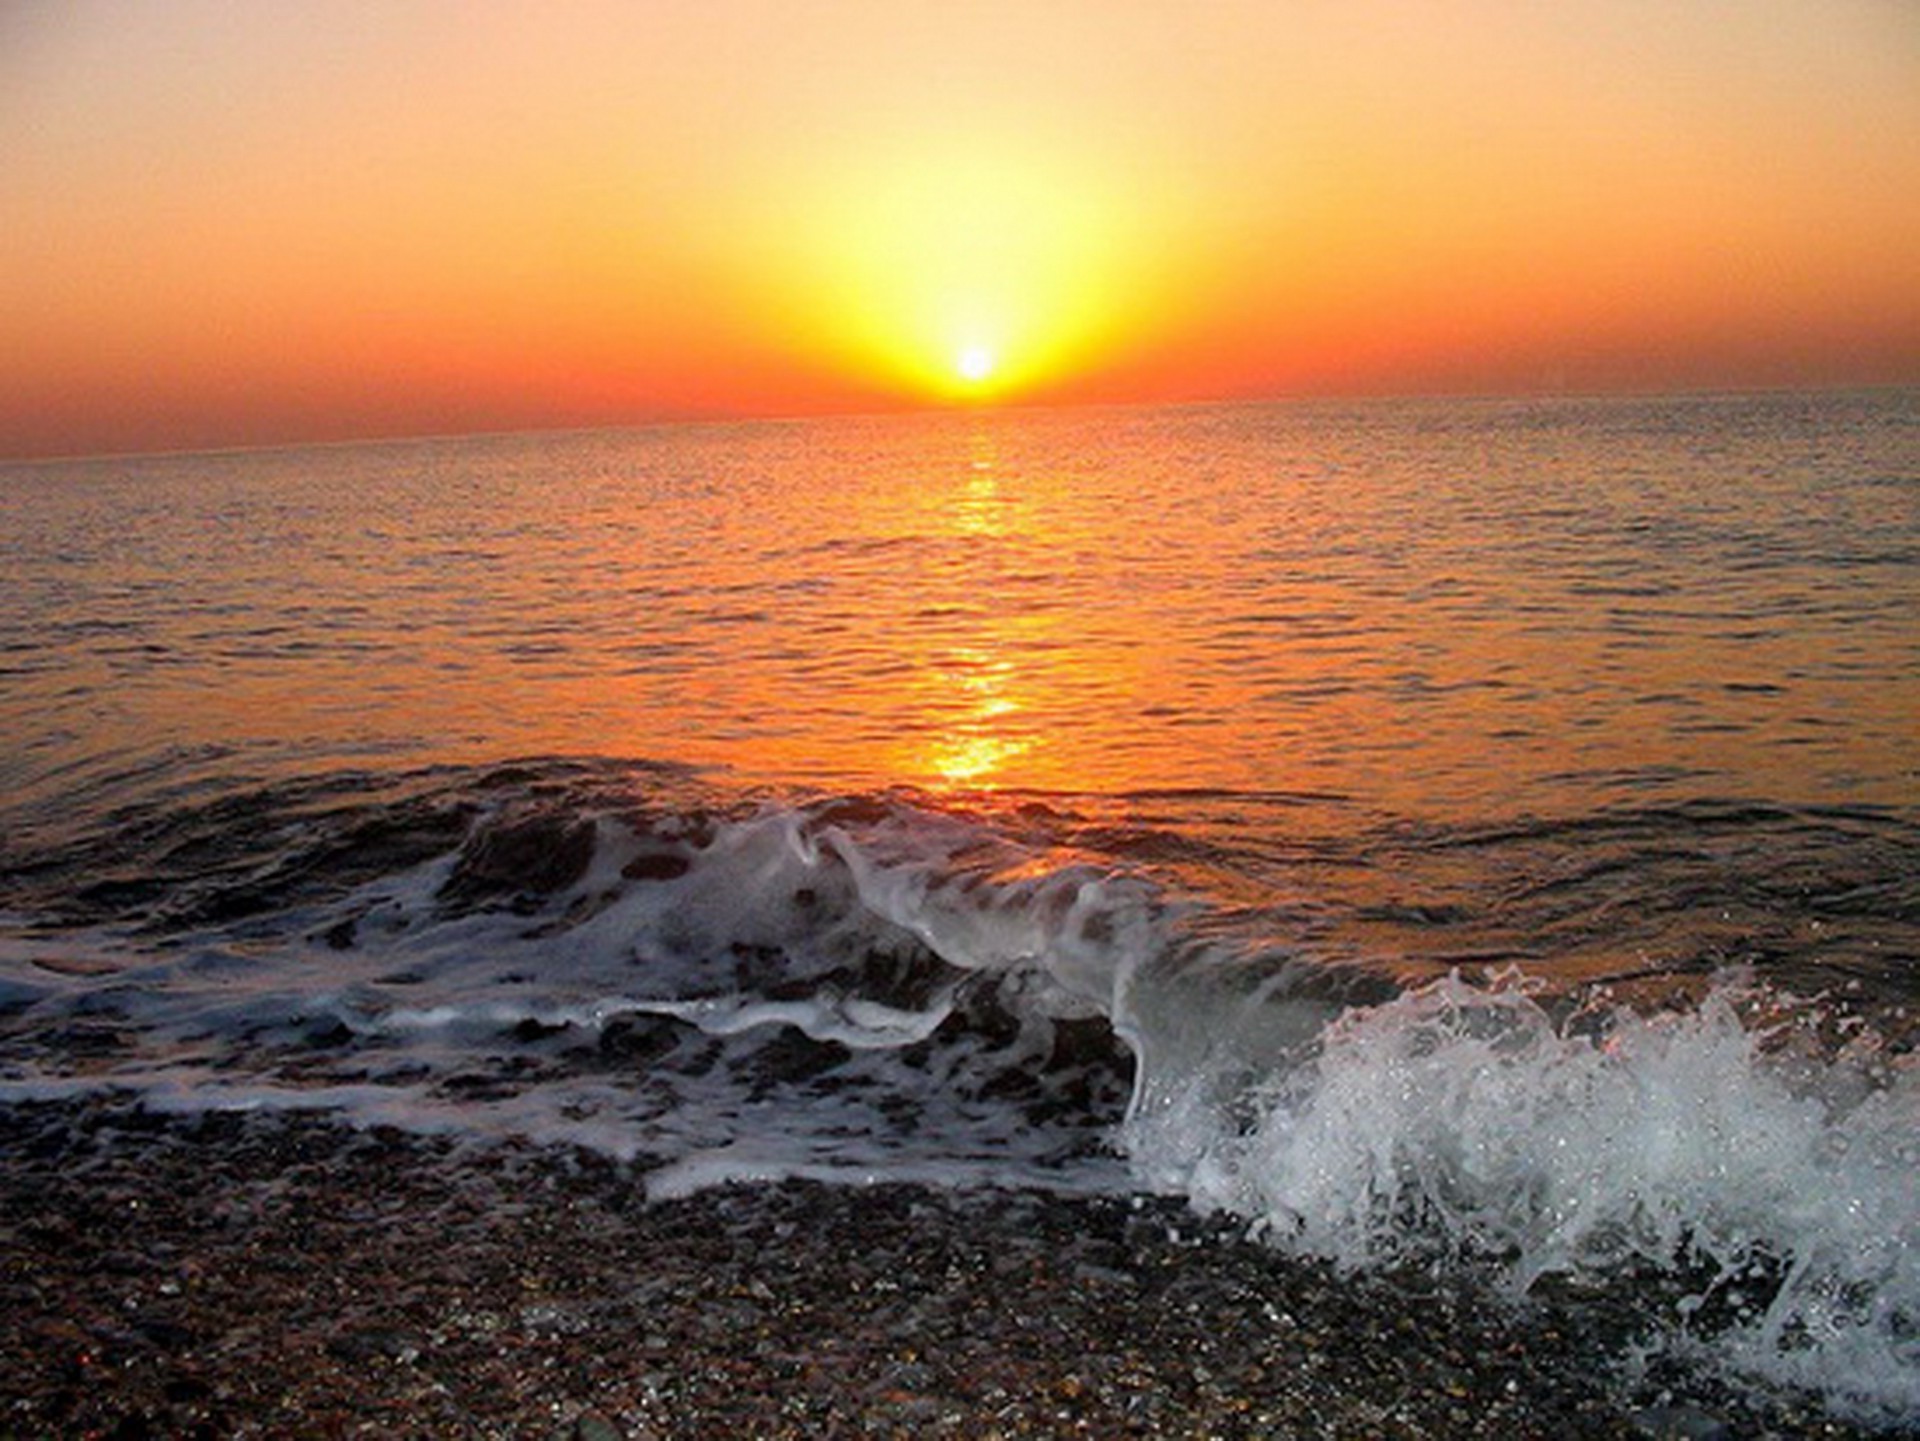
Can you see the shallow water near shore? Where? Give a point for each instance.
(1474, 838)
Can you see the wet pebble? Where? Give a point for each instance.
(292, 1277)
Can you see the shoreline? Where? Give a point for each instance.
(228, 1274)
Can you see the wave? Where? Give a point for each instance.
(1028, 992)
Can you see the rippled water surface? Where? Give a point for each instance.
(1439, 610)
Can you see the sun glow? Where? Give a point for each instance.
(974, 363)
(964, 269)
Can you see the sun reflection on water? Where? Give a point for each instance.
(975, 680)
(976, 746)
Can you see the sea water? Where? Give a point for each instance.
(1476, 835)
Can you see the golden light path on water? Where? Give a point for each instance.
(985, 678)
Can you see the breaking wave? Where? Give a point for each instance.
(885, 987)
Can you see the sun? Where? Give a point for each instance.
(974, 363)
(959, 267)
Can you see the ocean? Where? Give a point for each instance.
(1470, 837)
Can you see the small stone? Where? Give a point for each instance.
(589, 1426)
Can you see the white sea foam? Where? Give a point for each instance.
(1457, 1122)
(878, 996)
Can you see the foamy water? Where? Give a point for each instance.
(887, 991)
(1478, 837)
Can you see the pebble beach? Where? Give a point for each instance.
(227, 1274)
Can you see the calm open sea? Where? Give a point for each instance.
(1477, 834)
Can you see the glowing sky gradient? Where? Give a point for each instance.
(227, 224)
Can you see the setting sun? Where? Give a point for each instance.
(974, 363)
(966, 267)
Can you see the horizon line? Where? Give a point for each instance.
(974, 407)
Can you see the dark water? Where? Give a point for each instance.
(1479, 834)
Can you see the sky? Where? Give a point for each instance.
(228, 224)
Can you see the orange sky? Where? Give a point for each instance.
(226, 224)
